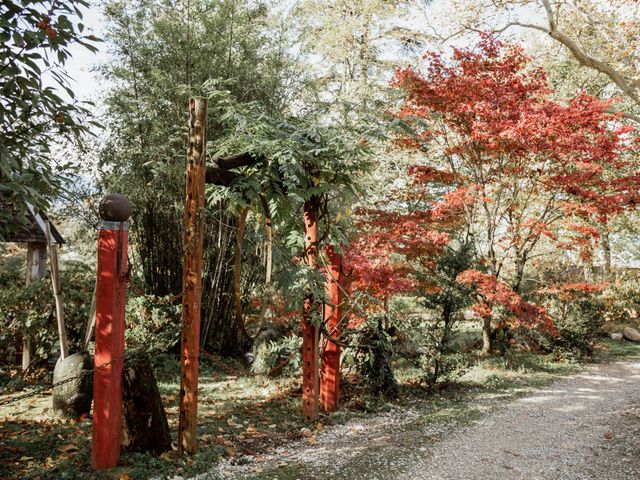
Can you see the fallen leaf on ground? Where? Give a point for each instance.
(68, 448)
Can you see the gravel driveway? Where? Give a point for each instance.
(586, 426)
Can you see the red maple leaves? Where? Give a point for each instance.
(519, 168)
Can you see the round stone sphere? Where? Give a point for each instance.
(114, 208)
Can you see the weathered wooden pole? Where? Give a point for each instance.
(192, 275)
(57, 293)
(330, 374)
(310, 377)
(111, 293)
(36, 269)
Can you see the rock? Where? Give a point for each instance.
(306, 432)
(73, 398)
(617, 336)
(631, 334)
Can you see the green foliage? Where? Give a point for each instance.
(279, 357)
(438, 360)
(31, 309)
(35, 41)
(578, 322)
(438, 367)
(374, 353)
(163, 53)
(622, 300)
(152, 324)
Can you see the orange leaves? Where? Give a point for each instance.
(44, 24)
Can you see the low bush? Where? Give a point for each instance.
(152, 324)
(578, 318)
(374, 354)
(278, 357)
(622, 301)
(31, 310)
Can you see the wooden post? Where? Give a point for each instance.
(109, 337)
(36, 269)
(330, 375)
(192, 275)
(310, 377)
(57, 293)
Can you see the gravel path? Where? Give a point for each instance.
(586, 426)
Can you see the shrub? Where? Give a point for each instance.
(578, 318)
(374, 353)
(439, 361)
(278, 357)
(31, 310)
(152, 324)
(622, 301)
(439, 357)
(437, 367)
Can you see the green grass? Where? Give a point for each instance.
(241, 413)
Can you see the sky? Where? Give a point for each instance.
(87, 84)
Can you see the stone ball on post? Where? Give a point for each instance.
(114, 208)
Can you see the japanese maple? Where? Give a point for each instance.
(537, 168)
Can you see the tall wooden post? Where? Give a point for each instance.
(111, 292)
(36, 269)
(330, 375)
(310, 378)
(192, 275)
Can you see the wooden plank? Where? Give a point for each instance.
(330, 372)
(192, 276)
(310, 377)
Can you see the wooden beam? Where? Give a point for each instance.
(310, 377)
(218, 176)
(238, 160)
(192, 275)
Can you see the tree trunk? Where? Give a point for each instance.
(486, 336)
(143, 418)
(606, 252)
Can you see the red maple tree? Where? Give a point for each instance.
(527, 170)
